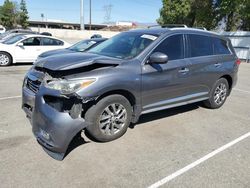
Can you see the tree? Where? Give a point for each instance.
(245, 15)
(23, 15)
(229, 12)
(174, 12)
(11, 15)
(189, 12)
(8, 14)
(202, 14)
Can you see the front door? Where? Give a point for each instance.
(29, 51)
(167, 84)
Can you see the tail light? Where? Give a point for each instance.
(238, 62)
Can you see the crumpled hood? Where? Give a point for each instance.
(74, 60)
(56, 52)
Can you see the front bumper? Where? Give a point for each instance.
(53, 129)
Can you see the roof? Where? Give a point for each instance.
(36, 35)
(153, 31)
(160, 31)
(97, 39)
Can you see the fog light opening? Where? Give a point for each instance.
(45, 135)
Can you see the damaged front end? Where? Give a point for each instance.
(55, 117)
(52, 99)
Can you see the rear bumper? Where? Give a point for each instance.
(53, 130)
(235, 79)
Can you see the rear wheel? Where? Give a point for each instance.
(5, 59)
(218, 94)
(109, 118)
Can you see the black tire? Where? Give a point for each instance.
(5, 59)
(212, 103)
(114, 128)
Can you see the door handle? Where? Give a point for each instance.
(217, 64)
(183, 70)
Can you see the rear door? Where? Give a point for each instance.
(165, 85)
(205, 66)
(48, 44)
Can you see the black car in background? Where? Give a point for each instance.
(81, 46)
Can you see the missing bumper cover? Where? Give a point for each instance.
(72, 105)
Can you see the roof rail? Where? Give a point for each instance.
(202, 28)
(151, 26)
(176, 26)
(170, 26)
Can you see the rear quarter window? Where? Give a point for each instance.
(220, 47)
(51, 42)
(200, 45)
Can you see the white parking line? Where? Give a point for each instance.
(241, 90)
(199, 161)
(13, 97)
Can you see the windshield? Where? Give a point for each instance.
(125, 45)
(13, 39)
(4, 34)
(10, 36)
(82, 45)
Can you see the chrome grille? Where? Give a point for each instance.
(33, 85)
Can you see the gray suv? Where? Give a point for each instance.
(135, 72)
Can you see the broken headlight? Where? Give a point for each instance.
(70, 86)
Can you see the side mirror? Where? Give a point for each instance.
(20, 44)
(158, 58)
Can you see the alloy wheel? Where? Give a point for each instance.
(112, 119)
(4, 60)
(220, 93)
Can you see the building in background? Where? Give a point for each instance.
(126, 24)
(59, 24)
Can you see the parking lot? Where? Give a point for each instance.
(159, 146)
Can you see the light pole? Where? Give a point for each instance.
(42, 16)
(90, 14)
(82, 14)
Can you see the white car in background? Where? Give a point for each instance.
(26, 48)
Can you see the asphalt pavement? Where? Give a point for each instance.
(161, 146)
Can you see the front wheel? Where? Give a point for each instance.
(109, 118)
(5, 59)
(218, 94)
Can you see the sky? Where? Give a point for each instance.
(143, 11)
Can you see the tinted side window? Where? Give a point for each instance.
(172, 46)
(220, 47)
(200, 45)
(51, 42)
(34, 41)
